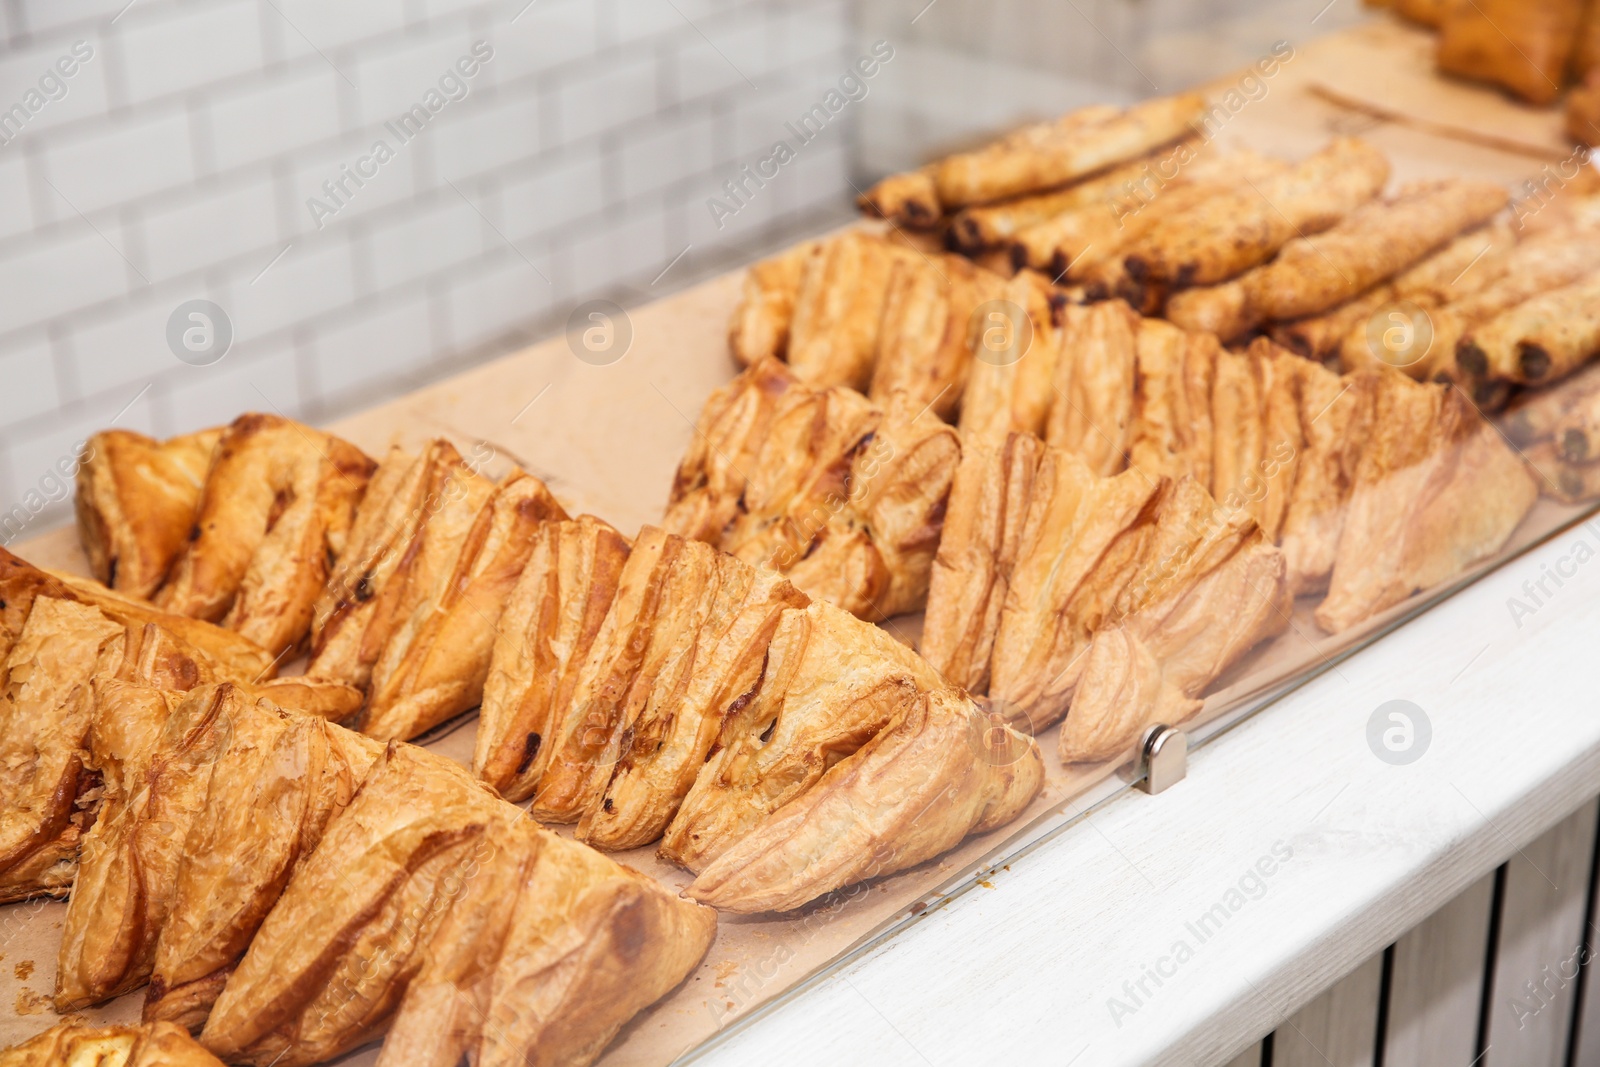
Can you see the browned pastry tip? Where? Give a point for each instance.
(72, 1043)
(910, 199)
(136, 502)
(940, 771)
(760, 324)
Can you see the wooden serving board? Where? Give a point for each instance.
(607, 440)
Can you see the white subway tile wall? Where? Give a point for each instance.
(176, 161)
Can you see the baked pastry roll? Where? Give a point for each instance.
(1539, 340)
(1313, 274)
(977, 553)
(374, 587)
(760, 326)
(1335, 418)
(1521, 46)
(1436, 490)
(1583, 104)
(1052, 153)
(277, 506)
(927, 334)
(833, 333)
(78, 1045)
(1093, 412)
(1209, 588)
(1009, 385)
(44, 716)
(434, 664)
(1172, 421)
(844, 499)
(831, 682)
(1081, 545)
(136, 503)
(910, 199)
(940, 771)
(1226, 235)
(548, 627)
(683, 641)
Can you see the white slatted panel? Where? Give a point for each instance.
(1541, 929)
(1436, 988)
(1339, 1028)
(1588, 1053)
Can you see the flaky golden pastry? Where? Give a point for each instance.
(910, 199)
(136, 503)
(1009, 386)
(833, 332)
(1257, 439)
(1540, 340)
(1209, 588)
(45, 708)
(1521, 46)
(760, 324)
(927, 332)
(1172, 403)
(549, 625)
(276, 509)
(1052, 153)
(1081, 545)
(405, 539)
(77, 1045)
(932, 777)
(831, 682)
(977, 552)
(843, 498)
(1437, 489)
(1335, 415)
(434, 664)
(1093, 412)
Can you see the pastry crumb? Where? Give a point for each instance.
(23, 970)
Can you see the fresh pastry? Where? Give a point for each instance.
(844, 499)
(1313, 274)
(1521, 46)
(977, 552)
(75, 1044)
(1335, 415)
(1009, 385)
(44, 717)
(760, 326)
(1210, 587)
(910, 199)
(1257, 442)
(930, 778)
(434, 664)
(277, 507)
(926, 333)
(548, 627)
(1052, 153)
(1172, 401)
(833, 331)
(136, 503)
(1542, 339)
(1226, 235)
(1436, 490)
(405, 539)
(1093, 413)
(431, 898)
(830, 683)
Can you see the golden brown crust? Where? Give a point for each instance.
(926, 337)
(760, 325)
(915, 790)
(1541, 339)
(434, 666)
(1520, 46)
(977, 551)
(404, 538)
(1335, 413)
(45, 707)
(136, 503)
(1052, 153)
(549, 625)
(831, 682)
(1583, 105)
(1226, 235)
(1209, 588)
(833, 334)
(72, 1043)
(1313, 274)
(1436, 490)
(1093, 412)
(1081, 543)
(910, 199)
(278, 503)
(1009, 385)
(1172, 418)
